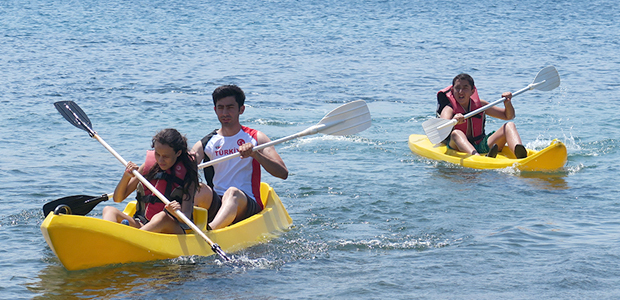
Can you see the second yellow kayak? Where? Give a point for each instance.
(551, 158)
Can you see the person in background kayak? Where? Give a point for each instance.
(468, 135)
(169, 168)
(232, 192)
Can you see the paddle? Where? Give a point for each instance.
(78, 205)
(438, 129)
(74, 114)
(346, 119)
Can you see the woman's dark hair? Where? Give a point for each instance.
(227, 91)
(176, 141)
(464, 76)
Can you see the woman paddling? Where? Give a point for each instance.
(173, 172)
(468, 135)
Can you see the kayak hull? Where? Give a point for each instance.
(548, 159)
(82, 242)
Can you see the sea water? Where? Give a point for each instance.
(371, 219)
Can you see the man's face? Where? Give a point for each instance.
(462, 90)
(228, 111)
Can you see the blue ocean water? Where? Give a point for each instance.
(372, 220)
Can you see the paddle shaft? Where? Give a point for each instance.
(109, 196)
(311, 130)
(453, 122)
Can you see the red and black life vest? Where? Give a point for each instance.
(165, 182)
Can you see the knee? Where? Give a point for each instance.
(111, 213)
(510, 128)
(232, 191)
(109, 210)
(232, 194)
(204, 196)
(457, 134)
(161, 216)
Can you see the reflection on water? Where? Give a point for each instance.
(546, 181)
(115, 281)
(460, 175)
(540, 180)
(186, 277)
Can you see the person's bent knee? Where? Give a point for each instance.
(203, 196)
(162, 223)
(457, 134)
(110, 209)
(110, 213)
(161, 217)
(233, 191)
(511, 125)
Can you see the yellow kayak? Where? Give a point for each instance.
(551, 158)
(82, 242)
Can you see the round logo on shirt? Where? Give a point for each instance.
(240, 142)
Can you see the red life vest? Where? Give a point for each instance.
(164, 182)
(445, 97)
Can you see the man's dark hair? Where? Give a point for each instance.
(227, 91)
(464, 76)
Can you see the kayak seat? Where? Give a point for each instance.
(130, 208)
(200, 218)
(200, 214)
(264, 193)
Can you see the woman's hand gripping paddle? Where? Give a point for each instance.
(74, 114)
(438, 129)
(346, 119)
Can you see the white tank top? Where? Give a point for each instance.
(243, 174)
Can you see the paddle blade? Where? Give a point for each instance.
(550, 77)
(346, 119)
(74, 114)
(80, 205)
(437, 129)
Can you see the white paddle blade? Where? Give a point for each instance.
(346, 119)
(550, 77)
(437, 129)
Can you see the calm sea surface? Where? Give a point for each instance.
(371, 219)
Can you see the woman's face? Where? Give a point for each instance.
(165, 156)
(462, 90)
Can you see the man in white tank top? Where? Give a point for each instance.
(233, 190)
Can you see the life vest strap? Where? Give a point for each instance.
(209, 172)
(477, 139)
